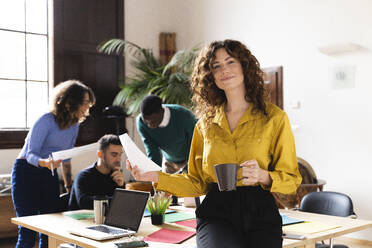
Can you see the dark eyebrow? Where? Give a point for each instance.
(227, 58)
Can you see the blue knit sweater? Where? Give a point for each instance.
(46, 137)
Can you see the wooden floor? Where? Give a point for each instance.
(352, 243)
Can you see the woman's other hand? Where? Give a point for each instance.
(253, 174)
(151, 176)
(48, 162)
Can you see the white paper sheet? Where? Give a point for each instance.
(69, 153)
(136, 156)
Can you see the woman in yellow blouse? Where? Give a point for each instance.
(237, 126)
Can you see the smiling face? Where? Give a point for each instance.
(83, 109)
(227, 71)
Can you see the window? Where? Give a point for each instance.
(78, 27)
(24, 84)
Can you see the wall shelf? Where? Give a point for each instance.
(340, 48)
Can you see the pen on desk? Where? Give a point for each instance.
(51, 165)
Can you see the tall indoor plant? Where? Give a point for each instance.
(171, 82)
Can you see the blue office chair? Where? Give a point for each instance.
(330, 203)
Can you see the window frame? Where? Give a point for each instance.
(12, 138)
(95, 126)
(15, 137)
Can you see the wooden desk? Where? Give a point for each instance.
(55, 226)
(347, 225)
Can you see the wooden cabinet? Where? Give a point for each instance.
(7, 229)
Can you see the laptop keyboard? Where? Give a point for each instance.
(107, 229)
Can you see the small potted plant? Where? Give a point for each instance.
(157, 205)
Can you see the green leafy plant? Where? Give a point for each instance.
(171, 82)
(158, 204)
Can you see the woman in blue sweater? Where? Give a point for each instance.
(35, 186)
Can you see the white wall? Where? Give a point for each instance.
(7, 160)
(334, 124)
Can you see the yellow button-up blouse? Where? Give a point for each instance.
(267, 139)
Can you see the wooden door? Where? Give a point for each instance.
(273, 77)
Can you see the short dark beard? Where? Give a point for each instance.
(104, 164)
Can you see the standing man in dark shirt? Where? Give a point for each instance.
(102, 177)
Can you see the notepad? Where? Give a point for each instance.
(289, 221)
(188, 223)
(80, 216)
(165, 235)
(178, 216)
(309, 227)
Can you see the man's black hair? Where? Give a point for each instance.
(151, 104)
(106, 140)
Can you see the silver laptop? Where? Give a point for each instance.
(123, 218)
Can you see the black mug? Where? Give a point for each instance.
(227, 176)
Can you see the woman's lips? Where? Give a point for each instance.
(226, 78)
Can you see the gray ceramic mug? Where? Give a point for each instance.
(227, 176)
(100, 206)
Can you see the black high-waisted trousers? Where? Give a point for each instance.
(247, 217)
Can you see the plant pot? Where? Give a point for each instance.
(157, 219)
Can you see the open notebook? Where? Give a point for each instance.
(123, 218)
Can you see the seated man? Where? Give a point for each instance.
(101, 178)
(166, 130)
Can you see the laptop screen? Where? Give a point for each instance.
(126, 209)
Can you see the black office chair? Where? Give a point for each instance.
(330, 203)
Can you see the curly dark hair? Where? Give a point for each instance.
(68, 96)
(207, 97)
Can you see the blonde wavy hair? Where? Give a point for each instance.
(207, 97)
(67, 99)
